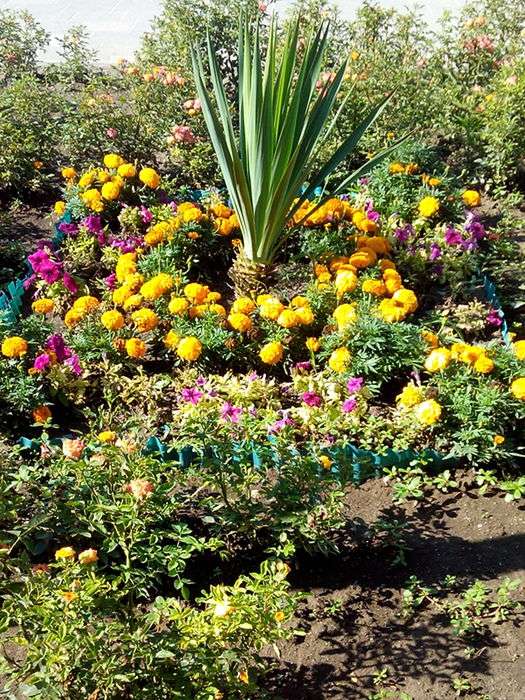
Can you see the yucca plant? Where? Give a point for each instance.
(281, 124)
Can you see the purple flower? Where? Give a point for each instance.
(69, 283)
(191, 395)
(453, 237)
(475, 227)
(146, 215)
(252, 411)
(303, 366)
(68, 228)
(310, 398)
(280, 424)
(494, 318)
(46, 268)
(56, 344)
(201, 381)
(354, 385)
(230, 413)
(403, 233)
(73, 363)
(362, 181)
(93, 223)
(349, 405)
(435, 252)
(29, 281)
(41, 362)
(111, 280)
(252, 376)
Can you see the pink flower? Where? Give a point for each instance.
(349, 405)
(230, 413)
(112, 133)
(310, 398)
(72, 449)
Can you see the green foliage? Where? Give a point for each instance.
(21, 40)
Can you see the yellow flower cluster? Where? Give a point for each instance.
(474, 355)
(82, 306)
(428, 207)
(426, 411)
(14, 346)
(399, 168)
(332, 211)
(225, 220)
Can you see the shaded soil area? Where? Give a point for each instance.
(20, 229)
(462, 534)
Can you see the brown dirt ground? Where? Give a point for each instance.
(461, 534)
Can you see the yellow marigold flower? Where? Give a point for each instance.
(430, 338)
(519, 349)
(434, 181)
(87, 179)
(498, 439)
(112, 320)
(272, 352)
(396, 168)
(157, 234)
(221, 211)
(65, 553)
(428, 412)
(149, 177)
(60, 208)
(324, 277)
(326, 462)
(157, 286)
(271, 308)
(471, 198)
(407, 298)
(375, 287)
(103, 176)
(127, 170)
(171, 340)
(14, 346)
(288, 318)
(145, 320)
(299, 302)
(121, 295)
(68, 173)
(240, 322)
(85, 304)
(132, 302)
(113, 161)
(93, 200)
(345, 282)
(438, 360)
(391, 310)
(107, 436)
(243, 677)
(213, 297)
(72, 317)
(126, 265)
(243, 305)
(313, 344)
(189, 349)
(178, 306)
(363, 257)
(43, 306)
(518, 388)
(428, 207)
(379, 244)
(110, 191)
(68, 596)
(345, 315)
(88, 556)
(410, 396)
(339, 360)
(470, 353)
(386, 265)
(411, 168)
(484, 365)
(41, 414)
(196, 292)
(456, 349)
(279, 616)
(305, 315)
(217, 309)
(135, 348)
(393, 284)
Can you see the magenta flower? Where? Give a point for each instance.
(435, 252)
(56, 344)
(494, 318)
(69, 283)
(280, 424)
(349, 405)
(41, 362)
(111, 281)
(146, 215)
(310, 398)
(73, 362)
(230, 413)
(191, 395)
(354, 385)
(453, 237)
(303, 366)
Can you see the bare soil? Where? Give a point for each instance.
(463, 534)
